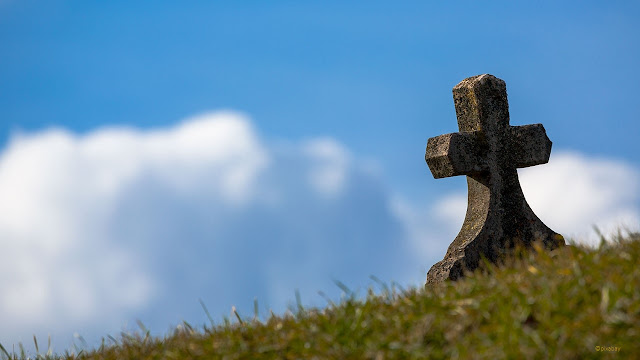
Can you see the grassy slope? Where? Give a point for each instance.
(559, 305)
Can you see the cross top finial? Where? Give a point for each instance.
(488, 150)
(481, 103)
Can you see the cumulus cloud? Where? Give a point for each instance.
(331, 161)
(123, 224)
(66, 265)
(572, 194)
(120, 224)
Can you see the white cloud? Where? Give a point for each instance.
(121, 224)
(45, 193)
(574, 192)
(60, 192)
(124, 224)
(331, 162)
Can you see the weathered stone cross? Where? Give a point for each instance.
(488, 150)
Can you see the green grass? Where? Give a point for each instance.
(538, 305)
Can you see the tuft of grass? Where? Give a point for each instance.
(574, 302)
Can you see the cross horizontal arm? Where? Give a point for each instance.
(529, 145)
(454, 154)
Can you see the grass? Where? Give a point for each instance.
(571, 303)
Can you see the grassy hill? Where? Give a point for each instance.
(576, 302)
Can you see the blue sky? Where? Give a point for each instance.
(157, 153)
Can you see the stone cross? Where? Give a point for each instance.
(488, 151)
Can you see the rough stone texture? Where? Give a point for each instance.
(488, 150)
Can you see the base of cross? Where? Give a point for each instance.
(463, 258)
(493, 233)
